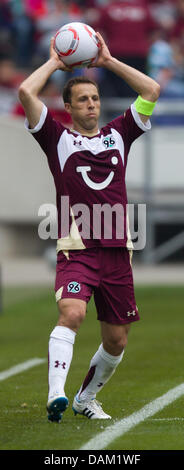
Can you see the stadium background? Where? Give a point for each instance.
(155, 170)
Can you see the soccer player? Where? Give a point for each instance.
(88, 165)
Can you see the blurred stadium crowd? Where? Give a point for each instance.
(146, 34)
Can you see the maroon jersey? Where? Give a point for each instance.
(89, 176)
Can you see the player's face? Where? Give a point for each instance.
(84, 107)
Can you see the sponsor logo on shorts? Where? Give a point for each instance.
(73, 287)
(133, 313)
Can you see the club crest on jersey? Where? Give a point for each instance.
(73, 287)
(108, 141)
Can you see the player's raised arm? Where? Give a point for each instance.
(147, 88)
(31, 87)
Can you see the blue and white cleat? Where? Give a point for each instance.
(56, 407)
(90, 408)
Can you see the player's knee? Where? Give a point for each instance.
(71, 316)
(115, 344)
(75, 318)
(114, 337)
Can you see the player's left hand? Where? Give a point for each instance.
(104, 54)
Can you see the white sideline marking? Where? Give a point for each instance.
(103, 439)
(167, 419)
(20, 368)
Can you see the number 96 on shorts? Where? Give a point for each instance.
(73, 287)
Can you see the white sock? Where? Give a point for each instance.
(102, 367)
(59, 359)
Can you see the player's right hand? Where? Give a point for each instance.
(59, 63)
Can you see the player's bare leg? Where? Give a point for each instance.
(114, 337)
(62, 338)
(102, 367)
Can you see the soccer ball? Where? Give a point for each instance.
(76, 44)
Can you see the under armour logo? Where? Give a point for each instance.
(100, 384)
(77, 142)
(63, 365)
(131, 313)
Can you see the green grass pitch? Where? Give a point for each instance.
(152, 365)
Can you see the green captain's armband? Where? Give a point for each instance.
(144, 107)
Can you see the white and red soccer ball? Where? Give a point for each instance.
(76, 44)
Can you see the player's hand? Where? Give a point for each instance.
(54, 56)
(104, 54)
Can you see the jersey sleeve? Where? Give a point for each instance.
(130, 126)
(47, 133)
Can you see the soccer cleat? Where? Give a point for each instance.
(90, 408)
(56, 407)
